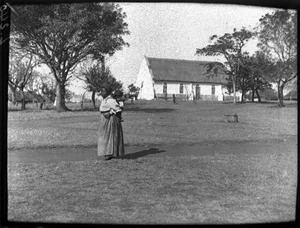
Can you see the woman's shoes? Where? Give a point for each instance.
(106, 158)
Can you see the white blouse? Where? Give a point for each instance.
(109, 104)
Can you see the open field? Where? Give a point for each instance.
(207, 188)
(155, 123)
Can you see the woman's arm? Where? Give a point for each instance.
(113, 104)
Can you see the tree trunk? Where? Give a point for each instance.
(13, 97)
(23, 107)
(60, 98)
(102, 60)
(55, 98)
(253, 94)
(93, 99)
(280, 94)
(234, 92)
(258, 96)
(13, 94)
(243, 95)
(41, 105)
(82, 98)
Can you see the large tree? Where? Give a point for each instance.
(254, 72)
(244, 79)
(21, 71)
(230, 46)
(64, 35)
(278, 39)
(96, 77)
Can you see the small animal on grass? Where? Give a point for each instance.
(232, 118)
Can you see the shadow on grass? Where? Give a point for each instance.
(143, 153)
(13, 110)
(132, 108)
(26, 110)
(149, 110)
(285, 105)
(85, 110)
(272, 104)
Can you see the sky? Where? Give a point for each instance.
(175, 30)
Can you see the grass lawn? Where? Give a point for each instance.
(155, 123)
(208, 189)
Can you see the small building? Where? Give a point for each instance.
(186, 79)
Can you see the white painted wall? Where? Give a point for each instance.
(207, 90)
(145, 82)
(190, 89)
(226, 93)
(158, 87)
(172, 88)
(218, 92)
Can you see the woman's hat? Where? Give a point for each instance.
(118, 93)
(107, 88)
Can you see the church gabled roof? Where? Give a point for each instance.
(176, 70)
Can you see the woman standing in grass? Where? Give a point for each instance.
(110, 134)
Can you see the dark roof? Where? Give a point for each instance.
(185, 71)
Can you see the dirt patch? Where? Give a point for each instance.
(134, 152)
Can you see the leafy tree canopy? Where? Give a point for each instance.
(278, 39)
(132, 88)
(64, 35)
(278, 35)
(230, 46)
(96, 79)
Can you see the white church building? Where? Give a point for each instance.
(186, 79)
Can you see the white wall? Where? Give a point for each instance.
(158, 87)
(145, 82)
(226, 93)
(189, 89)
(207, 90)
(172, 88)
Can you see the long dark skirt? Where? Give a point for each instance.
(110, 137)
